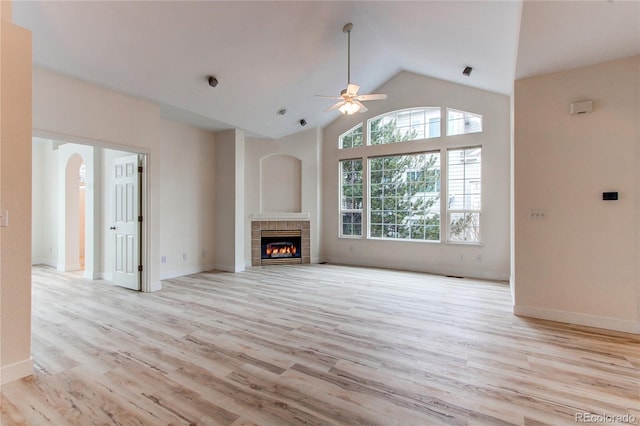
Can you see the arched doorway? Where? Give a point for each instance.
(69, 259)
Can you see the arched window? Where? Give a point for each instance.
(404, 125)
(462, 122)
(351, 138)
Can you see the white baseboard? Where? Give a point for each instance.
(430, 269)
(577, 318)
(69, 268)
(155, 286)
(16, 371)
(167, 275)
(230, 268)
(92, 275)
(44, 261)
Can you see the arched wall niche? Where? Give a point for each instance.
(280, 184)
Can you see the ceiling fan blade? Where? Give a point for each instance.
(327, 97)
(371, 97)
(362, 107)
(352, 89)
(334, 106)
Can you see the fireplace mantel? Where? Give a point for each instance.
(280, 216)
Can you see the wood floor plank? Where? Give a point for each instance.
(314, 345)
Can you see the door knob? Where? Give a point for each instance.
(113, 228)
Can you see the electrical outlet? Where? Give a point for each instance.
(184, 257)
(163, 259)
(204, 253)
(537, 214)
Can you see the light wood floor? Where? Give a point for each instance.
(314, 345)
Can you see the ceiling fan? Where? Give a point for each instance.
(350, 102)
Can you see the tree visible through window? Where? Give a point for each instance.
(404, 186)
(351, 198)
(404, 196)
(351, 138)
(405, 125)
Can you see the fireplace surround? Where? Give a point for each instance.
(288, 241)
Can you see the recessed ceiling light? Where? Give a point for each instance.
(467, 71)
(282, 111)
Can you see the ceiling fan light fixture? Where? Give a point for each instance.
(350, 101)
(349, 108)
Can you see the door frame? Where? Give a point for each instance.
(145, 258)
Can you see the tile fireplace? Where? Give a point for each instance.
(280, 242)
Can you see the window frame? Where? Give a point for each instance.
(464, 113)
(426, 125)
(464, 211)
(343, 210)
(350, 133)
(442, 145)
(437, 211)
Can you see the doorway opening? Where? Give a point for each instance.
(75, 195)
(82, 181)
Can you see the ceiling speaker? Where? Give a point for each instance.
(581, 107)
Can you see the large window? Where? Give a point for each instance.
(404, 125)
(465, 194)
(408, 198)
(404, 196)
(351, 198)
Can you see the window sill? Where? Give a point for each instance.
(465, 243)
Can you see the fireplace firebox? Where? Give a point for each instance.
(281, 247)
(291, 230)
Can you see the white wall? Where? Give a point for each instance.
(75, 111)
(304, 146)
(229, 200)
(187, 200)
(406, 90)
(72, 110)
(15, 197)
(580, 264)
(44, 247)
(280, 184)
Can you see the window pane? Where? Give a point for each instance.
(464, 198)
(464, 227)
(404, 125)
(462, 122)
(405, 196)
(351, 138)
(351, 197)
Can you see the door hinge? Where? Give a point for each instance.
(139, 218)
(139, 268)
(139, 169)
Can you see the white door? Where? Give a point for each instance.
(126, 227)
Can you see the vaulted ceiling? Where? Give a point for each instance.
(269, 55)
